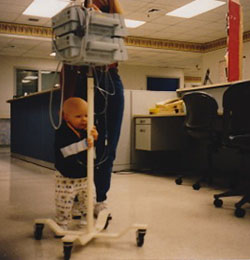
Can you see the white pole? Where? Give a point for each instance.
(90, 171)
(78, 2)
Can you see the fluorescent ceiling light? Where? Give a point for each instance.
(195, 8)
(45, 8)
(49, 8)
(26, 81)
(52, 54)
(31, 77)
(133, 23)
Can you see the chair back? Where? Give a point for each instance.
(236, 108)
(201, 115)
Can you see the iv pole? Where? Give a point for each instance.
(90, 156)
(69, 237)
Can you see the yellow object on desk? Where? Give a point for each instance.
(173, 106)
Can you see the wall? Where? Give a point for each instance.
(212, 60)
(246, 61)
(7, 77)
(134, 77)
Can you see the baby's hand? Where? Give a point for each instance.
(94, 133)
(94, 7)
(90, 142)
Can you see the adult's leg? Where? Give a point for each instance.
(109, 127)
(75, 81)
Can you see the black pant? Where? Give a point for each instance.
(109, 113)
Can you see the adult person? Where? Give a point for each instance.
(109, 106)
(109, 113)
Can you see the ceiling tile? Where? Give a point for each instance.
(24, 19)
(12, 8)
(8, 16)
(24, 3)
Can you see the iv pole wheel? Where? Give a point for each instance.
(67, 247)
(196, 186)
(140, 233)
(38, 232)
(178, 181)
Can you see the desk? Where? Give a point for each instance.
(159, 132)
(161, 142)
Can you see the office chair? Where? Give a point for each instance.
(236, 135)
(201, 123)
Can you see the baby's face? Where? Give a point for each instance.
(78, 119)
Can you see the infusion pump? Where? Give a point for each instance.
(82, 36)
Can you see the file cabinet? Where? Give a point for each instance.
(158, 133)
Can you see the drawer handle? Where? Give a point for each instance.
(142, 121)
(142, 130)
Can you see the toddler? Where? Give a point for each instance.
(71, 144)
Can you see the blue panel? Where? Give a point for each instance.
(31, 131)
(162, 84)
